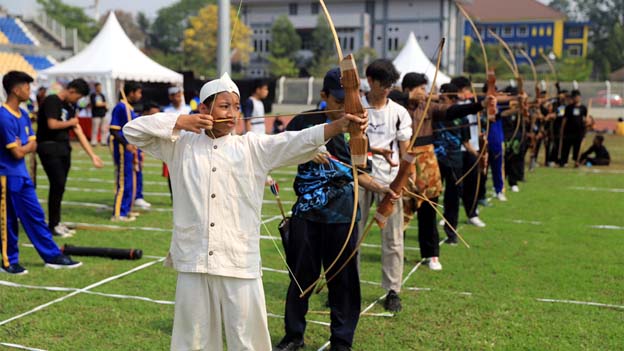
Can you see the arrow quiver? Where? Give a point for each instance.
(358, 141)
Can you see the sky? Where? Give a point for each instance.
(149, 7)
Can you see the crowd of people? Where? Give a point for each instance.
(459, 137)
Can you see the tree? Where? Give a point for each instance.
(132, 29)
(574, 68)
(167, 31)
(71, 17)
(200, 40)
(323, 48)
(285, 42)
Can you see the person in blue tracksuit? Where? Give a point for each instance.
(18, 199)
(125, 155)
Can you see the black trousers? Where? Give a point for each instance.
(56, 161)
(428, 236)
(469, 185)
(452, 193)
(310, 245)
(554, 150)
(514, 167)
(570, 142)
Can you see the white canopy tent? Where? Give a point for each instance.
(413, 59)
(111, 55)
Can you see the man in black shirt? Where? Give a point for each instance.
(319, 227)
(573, 126)
(98, 111)
(56, 117)
(602, 157)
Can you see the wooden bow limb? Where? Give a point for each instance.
(503, 56)
(435, 207)
(352, 105)
(578, 157)
(386, 206)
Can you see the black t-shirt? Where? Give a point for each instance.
(97, 111)
(53, 107)
(324, 192)
(575, 120)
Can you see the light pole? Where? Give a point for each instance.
(223, 38)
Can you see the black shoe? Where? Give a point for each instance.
(62, 262)
(451, 241)
(339, 347)
(392, 302)
(14, 269)
(289, 345)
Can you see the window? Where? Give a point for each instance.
(574, 50)
(492, 29)
(549, 31)
(255, 45)
(522, 31)
(533, 51)
(575, 32)
(314, 8)
(351, 42)
(534, 31)
(507, 31)
(541, 31)
(266, 45)
(292, 9)
(370, 7)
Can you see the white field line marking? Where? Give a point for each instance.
(156, 194)
(612, 171)
(522, 221)
(110, 164)
(62, 298)
(410, 248)
(100, 180)
(21, 347)
(586, 303)
(118, 227)
(592, 188)
(105, 207)
(273, 315)
(611, 227)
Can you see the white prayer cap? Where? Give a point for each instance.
(174, 90)
(216, 86)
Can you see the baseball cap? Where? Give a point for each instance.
(331, 83)
(216, 86)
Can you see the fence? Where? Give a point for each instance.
(67, 37)
(306, 91)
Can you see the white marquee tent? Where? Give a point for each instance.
(413, 59)
(111, 56)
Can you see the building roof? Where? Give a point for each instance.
(617, 75)
(510, 10)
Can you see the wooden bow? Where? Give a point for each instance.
(491, 110)
(358, 142)
(406, 168)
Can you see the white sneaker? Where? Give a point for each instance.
(66, 228)
(441, 223)
(476, 221)
(141, 203)
(62, 232)
(515, 189)
(501, 197)
(123, 219)
(434, 264)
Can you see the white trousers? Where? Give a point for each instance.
(391, 239)
(205, 302)
(97, 124)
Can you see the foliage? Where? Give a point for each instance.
(70, 17)
(200, 40)
(285, 42)
(167, 31)
(323, 48)
(572, 68)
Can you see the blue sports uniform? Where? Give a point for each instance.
(125, 175)
(17, 192)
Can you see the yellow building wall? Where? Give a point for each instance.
(558, 38)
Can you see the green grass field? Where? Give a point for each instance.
(539, 245)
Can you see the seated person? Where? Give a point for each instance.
(602, 155)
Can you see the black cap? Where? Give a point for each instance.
(332, 85)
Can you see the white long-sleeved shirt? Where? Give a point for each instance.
(218, 186)
(386, 126)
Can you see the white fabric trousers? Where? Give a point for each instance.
(97, 124)
(205, 302)
(391, 239)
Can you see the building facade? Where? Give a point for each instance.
(382, 25)
(529, 25)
